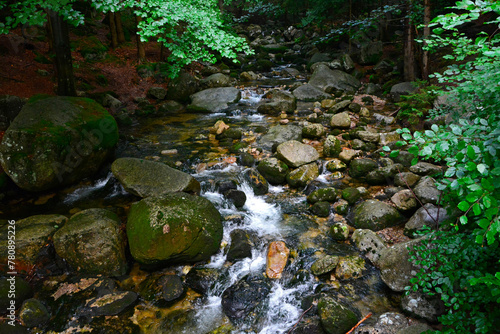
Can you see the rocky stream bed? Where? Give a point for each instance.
(264, 206)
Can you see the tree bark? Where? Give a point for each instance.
(141, 51)
(62, 50)
(409, 48)
(427, 32)
(119, 28)
(112, 30)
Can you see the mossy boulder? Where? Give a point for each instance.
(321, 209)
(173, 228)
(336, 318)
(375, 215)
(324, 265)
(273, 170)
(56, 141)
(328, 194)
(32, 235)
(339, 231)
(180, 88)
(149, 178)
(331, 148)
(351, 195)
(301, 176)
(361, 167)
(350, 267)
(92, 242)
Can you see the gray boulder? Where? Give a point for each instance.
(313, 131)
(324, 265)
(10, 106)
(404, 200)
(280, 101)
(327, 80)
(369, 243)
(428, 215)
(214, 99)
(422, 306)
(375, 215)
(361, 167)
(216, 80)
(182, 87)
(425, 168)
(146, 178)
(395, 268)
(174, 228)
(55, 141)
(309, 93)
(341, 121)
(426, 190)
(406, 179)
(92, 243)
(296, 154)
(158, 93)
(279, 134)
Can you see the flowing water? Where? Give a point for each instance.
(282, 214)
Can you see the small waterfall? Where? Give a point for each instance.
(264, 219)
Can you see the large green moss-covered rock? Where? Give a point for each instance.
(273, 170)
(149, 178)
(56, 141)
(301, 176)
(335, 317)
(91, 242)
(173, 228)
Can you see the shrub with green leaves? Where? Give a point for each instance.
(461, 261)
(415, 106)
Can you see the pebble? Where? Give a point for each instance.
(169, 152)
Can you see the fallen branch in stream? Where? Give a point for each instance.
(359, 323)
(291, 330)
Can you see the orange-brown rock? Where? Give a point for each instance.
(277, 255)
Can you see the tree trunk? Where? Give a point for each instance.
(409, 48)
(427, 32)
(221, 6)
(112, 30)
(141, 51)
(119, 28)
(62, 50)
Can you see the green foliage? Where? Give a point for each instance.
(452, 261)
(191, 29)
(255, 9)
(461, 264)
(416, 105)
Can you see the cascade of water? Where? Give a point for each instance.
(264, 219)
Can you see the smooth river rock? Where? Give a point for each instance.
(213, 100)
(296, 154)
(146, 178)
(375, 215)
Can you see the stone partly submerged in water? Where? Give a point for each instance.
(335, 317)
(148, 178)
(214, 99)
(56, 141)
(277, 255)
(173, 228)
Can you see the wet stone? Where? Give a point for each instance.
(328, 194)
(406, 179)
(273, 170)
(336, 318)
(324, 265)
(347, 155)
(110, 304)
(33, 313)
(246, 159)
(243, 298)
(425, 168)
(375, 215)
(301, 176)
(351, 195)
(237, 197)
(296, 154)
(369, 243)
(277, 256)
(339, 231)
(172, 287)
(427, 191)
(313, 131)
(321, 209)
(422, 306)
(404, 200)
(331, 147)
(335, 165)
(258, 183)
(428, 215)
(241, 246)
(341, 121)
(202, 280)
(341, 207)
(350, 267)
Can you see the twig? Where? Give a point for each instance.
(395, 111)
(291, 330)
(359, 323)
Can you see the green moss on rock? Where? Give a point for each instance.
(173, 228)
